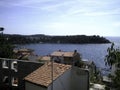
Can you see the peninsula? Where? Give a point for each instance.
(41, 38)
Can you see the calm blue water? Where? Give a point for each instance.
(95, 52)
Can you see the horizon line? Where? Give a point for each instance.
(59, 35)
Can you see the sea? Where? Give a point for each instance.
(94, 52)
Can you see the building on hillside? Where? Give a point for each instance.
(23, 51)
(12, 73)
(25, 54)
(56, 76)
(70, 58)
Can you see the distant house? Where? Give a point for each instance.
(70, 58)
(22, 51)
(55, 76)
(25, 54)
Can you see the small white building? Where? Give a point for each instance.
(55, 76)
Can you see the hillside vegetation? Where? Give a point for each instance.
(75, 39)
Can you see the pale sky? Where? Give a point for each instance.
(61, 17)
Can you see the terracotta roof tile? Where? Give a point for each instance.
(42, 76)
(61, 53)
(44, 58)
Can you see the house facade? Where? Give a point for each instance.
(57, 77)
(70, 58)
(13, 71)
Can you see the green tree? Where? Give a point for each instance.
(113, 57)
(110, 59)
(116, 80)
(6, 49)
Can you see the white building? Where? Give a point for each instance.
(54, 76)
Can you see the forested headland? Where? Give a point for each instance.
(40, 38)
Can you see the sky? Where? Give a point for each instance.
(61, 17)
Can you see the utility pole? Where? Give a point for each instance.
(52, 73)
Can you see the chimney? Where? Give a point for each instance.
(59, 50)
(75, 51)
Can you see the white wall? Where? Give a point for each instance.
(30, 86)
(79, 79)
(63, 82)
(73, 79)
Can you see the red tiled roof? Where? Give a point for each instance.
(44, 58)
(42, 76)
(61, 53)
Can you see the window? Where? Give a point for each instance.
(5, 64)
(14, 65)
(14, 81)
(6, 80)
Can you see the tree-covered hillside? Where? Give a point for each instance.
(76, 39)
